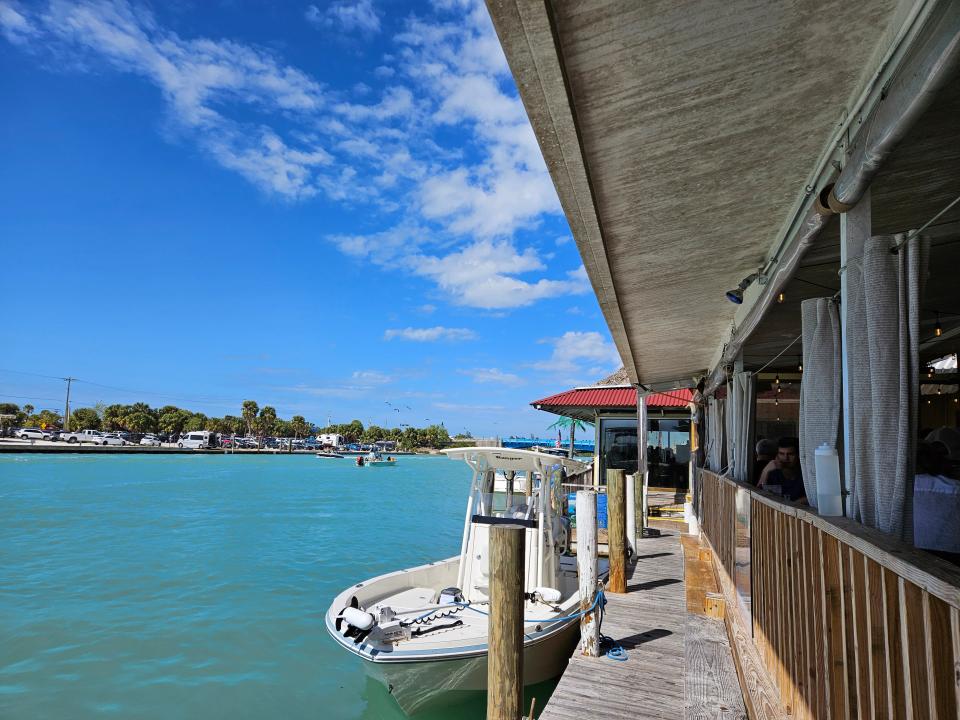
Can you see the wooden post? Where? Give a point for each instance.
(617, 530)
(505, 650)
(587, 571)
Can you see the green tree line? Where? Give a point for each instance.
(253, 421)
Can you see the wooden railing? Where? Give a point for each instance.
(846, 621)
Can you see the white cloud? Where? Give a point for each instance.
(14, 24)
(361, 382)
(468, 408)
(396, 102)
(462, 205)
(482, 275)
(371, 377)
(427, 309)
(431, 334)
(347, 15)
(574, 352)
(384, 71)
(494, 376)
(202, 82)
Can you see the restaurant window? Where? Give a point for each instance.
(668, 452)
(618, 446)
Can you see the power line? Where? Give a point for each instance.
(203, 401)
(23, 372)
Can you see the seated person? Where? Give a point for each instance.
(766, 451)
(784, 471)
(947, 439)
(936, 503)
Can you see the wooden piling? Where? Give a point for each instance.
(587, 571)
(617, 530)
(505, 649)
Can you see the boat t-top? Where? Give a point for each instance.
(375, 459)
(422, 632)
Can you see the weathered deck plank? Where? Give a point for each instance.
(679, 664)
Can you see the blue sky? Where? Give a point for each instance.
(320, 206)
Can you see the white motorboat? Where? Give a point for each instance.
(422, 632)
(329, 455)
(375, 459)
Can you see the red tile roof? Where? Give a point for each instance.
(613, 397)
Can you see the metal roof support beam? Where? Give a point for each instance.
(911, 92)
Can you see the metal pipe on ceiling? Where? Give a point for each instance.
(909, 95)
(924, 73)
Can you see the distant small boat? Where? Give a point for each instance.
(329, 455)
(375, 459)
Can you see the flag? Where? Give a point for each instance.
(559, 439)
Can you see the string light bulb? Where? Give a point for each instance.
(938, 328)
(781, 297)
(800, 364)
(776, 380)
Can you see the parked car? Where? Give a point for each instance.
(33, 434)
(113, 439)
(150, 441)
(82, 436)
(198, 440)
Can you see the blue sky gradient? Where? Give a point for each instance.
(323, 207)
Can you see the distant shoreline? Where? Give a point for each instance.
(66, 448)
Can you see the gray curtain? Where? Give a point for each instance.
(741, 412)
(821, 397)
(884, 293)
(715, 423)
(730, 414)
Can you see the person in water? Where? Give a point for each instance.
(784, 471)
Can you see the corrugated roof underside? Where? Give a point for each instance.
(698, 124)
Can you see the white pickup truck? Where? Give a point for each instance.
(91, 436)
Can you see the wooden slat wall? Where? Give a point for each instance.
(847, 625)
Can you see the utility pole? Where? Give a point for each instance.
(66, 411)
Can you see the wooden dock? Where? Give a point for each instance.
(679, 663)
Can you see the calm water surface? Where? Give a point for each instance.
(195, 586)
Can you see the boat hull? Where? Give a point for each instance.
(422, 685)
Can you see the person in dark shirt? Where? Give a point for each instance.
(766, 450)
(784, 471)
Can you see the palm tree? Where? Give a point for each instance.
(249, 414)
(572, 424)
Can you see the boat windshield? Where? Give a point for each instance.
(515, 506)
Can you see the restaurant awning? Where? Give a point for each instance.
(687, 140)
(586, 402)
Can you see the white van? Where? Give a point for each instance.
(198, 440)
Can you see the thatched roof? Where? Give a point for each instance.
(618, 378)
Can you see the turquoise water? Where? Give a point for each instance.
(195, 586)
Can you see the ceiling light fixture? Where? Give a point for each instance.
(736, 295)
